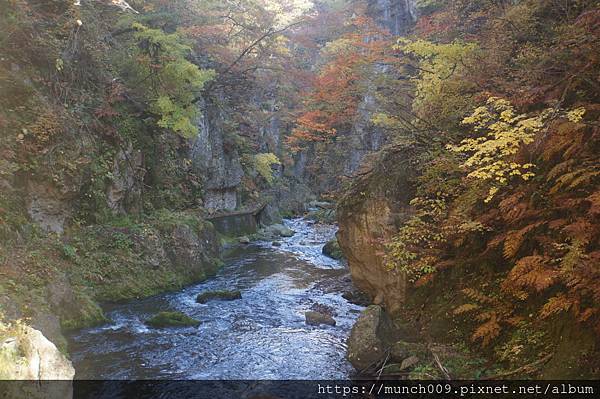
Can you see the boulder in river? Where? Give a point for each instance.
(218, 296)
(172, 319)
(333, 250)
(324, 309)
(370, 338)
(315, 318)
(276, 244)
(280, 230)
(244, 240)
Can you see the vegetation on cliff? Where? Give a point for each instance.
(103, 194)
(505, 150)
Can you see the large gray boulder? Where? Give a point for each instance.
(279, 230)
(316, 318)
(370, 338)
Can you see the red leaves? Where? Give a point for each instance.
(338, 88)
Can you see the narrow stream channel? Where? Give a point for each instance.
(261, 336)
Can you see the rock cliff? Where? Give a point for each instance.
(368, 215)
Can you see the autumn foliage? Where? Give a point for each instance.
(514, 93)
(337, 89)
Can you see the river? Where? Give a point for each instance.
(261, 336)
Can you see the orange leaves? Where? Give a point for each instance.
(338, 87)
(114, 95)
(531, 272)
(513, 207)
(466, 308)
(515, 239)
(594, 201)
(581, 230)
(557, 304)
(488, 331)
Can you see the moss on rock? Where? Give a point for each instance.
(333, 250)
(172, 319)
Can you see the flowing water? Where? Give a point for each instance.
(261, 336)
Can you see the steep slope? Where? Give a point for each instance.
(121, 133)
(484, 231)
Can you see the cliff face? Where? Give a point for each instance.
(325, 168)
(396, 15)
(219, 164)
(378, 200)
(368, 215)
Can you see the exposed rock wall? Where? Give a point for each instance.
(219, 164)
(343, 157)
(368, 215)
(124, 193)
(395, 15)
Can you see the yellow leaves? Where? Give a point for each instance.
(264, 163)
(504, 133)
(491, 194)
(576, 115)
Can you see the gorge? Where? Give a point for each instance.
(153, 151)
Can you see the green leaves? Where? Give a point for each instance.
(167, 78)
(175, 117)
(264, 162)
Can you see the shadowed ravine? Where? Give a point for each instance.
(261, 336)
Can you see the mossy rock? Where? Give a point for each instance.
(332, 249)
(172, 319)
(218, 296)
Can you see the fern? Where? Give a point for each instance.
(477, 296)
(557, 304)
(515, 239)
(466, 308)
(513, 207)
(575, 179)
(531, 272)
(487, 332)
(594, 201)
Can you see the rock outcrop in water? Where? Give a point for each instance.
(218, 296)
(316, 318)
(172, 319)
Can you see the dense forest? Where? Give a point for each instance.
(455, 144)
